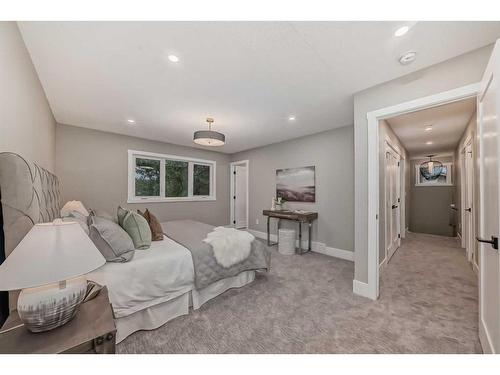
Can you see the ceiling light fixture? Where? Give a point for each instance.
(173, 58)
(401, 31)
(130, 121)
(209, 137)
(407, 58)
(431, 169)
(291, 118)
(428, 128)
(428, 143)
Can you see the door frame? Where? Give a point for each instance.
(372, 211)
(464, 191)
(232, 169)
(395, 150)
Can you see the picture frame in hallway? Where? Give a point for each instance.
(445, 178)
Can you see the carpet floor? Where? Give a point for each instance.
(428, 304)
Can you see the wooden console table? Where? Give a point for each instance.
(300, 217)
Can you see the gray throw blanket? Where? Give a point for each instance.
(191, 234)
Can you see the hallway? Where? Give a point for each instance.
(430, 284)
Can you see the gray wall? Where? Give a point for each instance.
(430, 211)
(332, 154)
(457, 72)
(27, 126)
(92, 167)
(386, 132)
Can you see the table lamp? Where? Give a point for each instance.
(49, 265)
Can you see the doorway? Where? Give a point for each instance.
(467, 198)
(392, 201)
(239, 171)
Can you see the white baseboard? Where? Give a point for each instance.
(383, 263)
(317, 247)
(475, 267)
(361, 289)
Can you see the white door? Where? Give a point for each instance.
(468, 204)
(392, 199)
(489, 259)
(240, 196)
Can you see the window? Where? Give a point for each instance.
(169, 178)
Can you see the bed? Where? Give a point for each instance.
(157, 285)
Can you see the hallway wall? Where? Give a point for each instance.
(430, 205)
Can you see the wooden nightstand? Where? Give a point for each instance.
(92, 330)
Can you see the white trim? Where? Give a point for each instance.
(231, 190)
(131, 198)
(317, 247)
(361, 289)
(334, 252)
(373, 117)
(475, 268)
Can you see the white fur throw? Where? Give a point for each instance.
(230, 245)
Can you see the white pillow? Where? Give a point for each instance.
(73, 206)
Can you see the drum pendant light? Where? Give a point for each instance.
(209, 137)
(431, 169)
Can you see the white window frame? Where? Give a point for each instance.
(449, 181)
(133, 154)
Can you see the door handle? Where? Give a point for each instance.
(394, 206)
(468, 209)
(493, 242)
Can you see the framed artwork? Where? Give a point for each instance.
(296, 184)
(444, 178)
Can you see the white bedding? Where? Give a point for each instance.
(158, 274)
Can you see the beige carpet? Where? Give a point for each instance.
(428, 304)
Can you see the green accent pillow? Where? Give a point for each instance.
(137, 228)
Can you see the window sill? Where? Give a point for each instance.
(170, 200)
(436, 185)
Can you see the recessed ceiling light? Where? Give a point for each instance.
(407, 58)
(291, 118)
(130, 121)
(401, 31)
(173, 58)
(428, 143)
(428, 128)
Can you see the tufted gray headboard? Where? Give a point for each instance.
(29, 195)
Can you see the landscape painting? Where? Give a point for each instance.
(296, 184)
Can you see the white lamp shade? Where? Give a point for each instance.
(49, 253)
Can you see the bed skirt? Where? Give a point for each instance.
(155, 316)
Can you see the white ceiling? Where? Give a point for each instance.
(448, 125)
(250, 76)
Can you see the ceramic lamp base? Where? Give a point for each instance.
(49, 306)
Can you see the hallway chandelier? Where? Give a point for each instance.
(209, 137)
(431, 169)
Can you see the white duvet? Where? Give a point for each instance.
(158, 274)
(231, 246)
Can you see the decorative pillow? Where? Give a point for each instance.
(121, 213)
(154, 225)
(79, 218)
(73, 206)
(112, 241)
(137, 228)
(104, 214)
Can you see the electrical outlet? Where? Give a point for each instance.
(256, 221)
